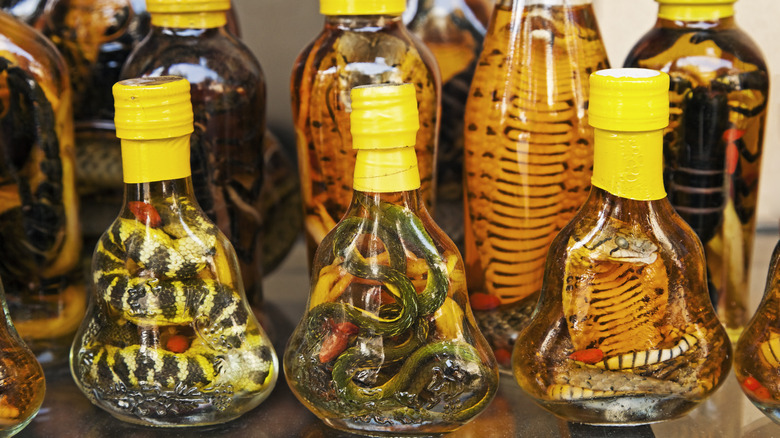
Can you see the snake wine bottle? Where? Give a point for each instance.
(388, 343)
(190, 39)
(714, 142)
(528, 154)
(624, 331)
(454, 35)
(169, 339)
(757, 353)
(362, 43)
(40, 238)
(21, 377)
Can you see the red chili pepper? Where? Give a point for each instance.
(503, 356)
(750, 383)
(177, 344)
(732, 158)
(145, 213)
(762, 393)
(336, 341)
(482, 301)
(733, 134)
(589, 356)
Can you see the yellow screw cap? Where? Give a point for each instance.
(629, 100)
(152, 108)
(186, 6)
(362, 7)
(384, 124)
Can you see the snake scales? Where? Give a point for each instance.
(409, 358)
(528, 154)
(170, 276)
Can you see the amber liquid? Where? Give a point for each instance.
(757, 354)
(350, 52)
(713, 145)
(455, 37)
(528, 157)
(22, 383)
(624, 332)
(40, 235)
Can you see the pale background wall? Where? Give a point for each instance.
(276, 30)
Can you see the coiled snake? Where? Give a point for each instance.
(169, 276)
(400, 359)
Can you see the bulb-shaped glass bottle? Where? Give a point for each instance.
(388, 316)
(169, 339)
(624, 331)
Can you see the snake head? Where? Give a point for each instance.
(627, 248)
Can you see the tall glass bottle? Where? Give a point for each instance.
(453, 33)
(714, 143)
(21, 378)
(387, 343)
(624, 331)
(190, 39)
(362, 43)
(529, 153)
(169, 339)
(757, 354)
(40, 239)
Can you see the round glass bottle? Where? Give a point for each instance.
(454, 35)
(387, 344)
(714, 142)
(191, 40)
(529, 153)
(40, 237)
(757, 354)
(169, 339)
(624, 332)
(362, 43)
(21, 378)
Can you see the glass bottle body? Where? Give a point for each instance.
(454, 36)
(352, 51)
(529, 154)
(387, 318)
(713, 145)
(169, 339)
(757, 352)
(228, 97)
(624, 331)
(21, 378)
(40, 236)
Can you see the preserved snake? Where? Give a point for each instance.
(168, 275)
(528, 154)
(406, 356)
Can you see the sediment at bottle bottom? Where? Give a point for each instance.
(621, 410)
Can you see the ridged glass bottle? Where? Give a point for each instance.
(387, 344)
(190, 39)
(169, 338)
(714, 143)
(21, 378)
(529, 153)
(757, 353)
(624, 332)
(362, 43)
(454, 34)
(40, 239)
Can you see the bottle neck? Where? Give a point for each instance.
(367, 204)
(695, 13)
(386, 170)
(145, 161)
(629, 164)
(190, 20)
(356, 22)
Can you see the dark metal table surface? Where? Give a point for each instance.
(728, 413)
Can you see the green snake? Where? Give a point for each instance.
(169, 288)
(394, 362)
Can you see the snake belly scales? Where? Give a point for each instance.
(404, 327)
(616, 300)
(170, 288)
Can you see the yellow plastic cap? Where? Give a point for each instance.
(629, 100)
(186, 6)
(152, 108)
(362, 7)
(384, 116)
